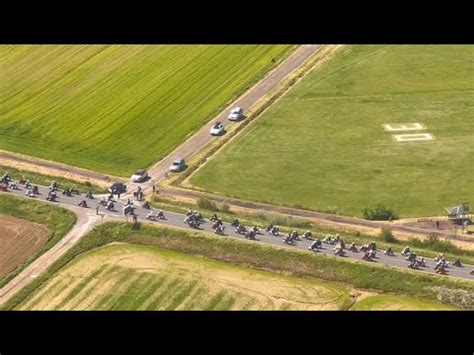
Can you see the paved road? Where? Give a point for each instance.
(199, 139)
(176, 220)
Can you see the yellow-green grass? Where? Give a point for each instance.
(137, 277)
(323, 145)
(398, 303)
(115, 108)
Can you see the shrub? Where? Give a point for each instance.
(433, 243)
(379, 212)
(205, 204)
(387, 235)
(225, 208)
(88, 184)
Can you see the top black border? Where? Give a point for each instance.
(241, 23)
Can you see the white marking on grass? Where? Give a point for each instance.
(396, 127)
(418, 137)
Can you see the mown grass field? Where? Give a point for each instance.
(124, 277)
(322, 146)
(57, 220)
(116, 108)
(221, 266)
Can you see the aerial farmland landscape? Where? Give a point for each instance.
(237, 177)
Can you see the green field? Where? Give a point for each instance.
(116, 108)
(130, 277)
(323, 146)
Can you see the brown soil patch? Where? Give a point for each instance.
(19, 239)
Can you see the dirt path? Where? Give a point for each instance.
(85, 222)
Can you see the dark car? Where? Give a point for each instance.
(118, 188)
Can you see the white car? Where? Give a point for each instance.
(236, 114)
(217, 129)
(178, 165)
(140, 175)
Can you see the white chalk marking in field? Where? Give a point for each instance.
(417, 137)
(396, 127)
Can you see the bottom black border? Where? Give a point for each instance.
(143, 332)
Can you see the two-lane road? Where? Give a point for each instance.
(176, 220)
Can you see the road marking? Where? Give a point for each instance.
(396, 127)
(417, 137)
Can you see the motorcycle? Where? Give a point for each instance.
(339, 252)
(194, 224)
(457, 263)
(241, 229)
(366, 257)
(274, 231)
(110, 206)
(51, 196)
(235, 223)
(151, 216)
(353, 248)
(308, 235)
(220, 230)
(13, 186)
(315, 245)
(250, 235)
(389, 252)
(83, 203)
(216, 224)
(421, 262)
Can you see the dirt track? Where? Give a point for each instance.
(19, 240)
